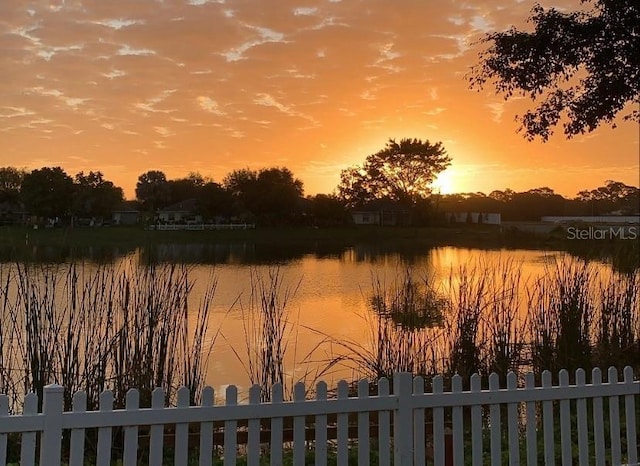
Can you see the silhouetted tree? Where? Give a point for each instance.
(401, 171)
(182, 189)
(94, 196)
(47, 192)
(613, 196)
(327, 210)
(214, 201)
(152, 189)
(10, 182)
(271, 194)
(583, 66)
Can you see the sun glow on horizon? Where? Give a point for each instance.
(445, 182)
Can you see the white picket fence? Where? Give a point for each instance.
(201, 226)
(484, 426)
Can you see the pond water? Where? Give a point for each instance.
(330, 295)
(331, 299)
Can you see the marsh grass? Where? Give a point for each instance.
(271, 333)
(94, 328)
(616, 336)
(491, 319)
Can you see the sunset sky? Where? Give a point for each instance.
(126, 86)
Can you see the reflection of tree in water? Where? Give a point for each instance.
(410, 302)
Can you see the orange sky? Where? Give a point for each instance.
(125, 86)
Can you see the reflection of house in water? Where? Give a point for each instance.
(180, 212)
(475, 217)
(217, 253)
(382, 212)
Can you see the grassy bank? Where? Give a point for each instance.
(471, 236)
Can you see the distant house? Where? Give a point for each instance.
(126, 214)
(380, 212)
(180, 212)
(475, 217)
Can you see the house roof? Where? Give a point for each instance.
(126, 206)
(188, 205)
(378, 205)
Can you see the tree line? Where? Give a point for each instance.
(613, 197)
(274, 196)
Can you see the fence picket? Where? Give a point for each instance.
(230, 429)
(52, 406)
(458, 424)
(614, 420)
(253, 440)
(28, 444)
(547, 422)
(4, 412)
(476, 424)
(76, 450)
(565, 422)
(419, 454)
(438, 425)
(181, 442)
(402, 436)
(104, 433)
(363, 427)
(598, 419)
(494, 421)
(582, 422)
(343, 427)
(321, 427)
(131, 432)
(532, 424)
(512, 421)
(206, 429)
(156, 431)
(630, 415)
(276, 427)
(384, 426)
(408, 404)
(299, 394)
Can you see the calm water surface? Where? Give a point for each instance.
(331, 294)
(332, 299)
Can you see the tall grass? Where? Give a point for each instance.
(485, 322)
(493, 320)
(93, 328)
(616, 336)
(268, 331)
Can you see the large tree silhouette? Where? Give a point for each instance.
(152, 189)
(47, 192)
(401, 171)
(581, 67)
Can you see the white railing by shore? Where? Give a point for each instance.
(565, 424)
(202, 226)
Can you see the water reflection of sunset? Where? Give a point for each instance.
(334, 295)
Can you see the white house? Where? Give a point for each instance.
(180, 212)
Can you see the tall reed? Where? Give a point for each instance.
(617, 321)
(267, 329)
(561, 308)
(101, 327)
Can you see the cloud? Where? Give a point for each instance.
(209, 105)
(265, 36)
(124, 82)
